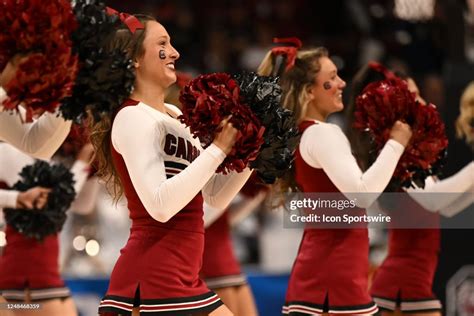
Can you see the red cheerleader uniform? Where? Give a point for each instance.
(330, 273)
(29, 263)
(158, 269)
(405, 278)
(220, 267)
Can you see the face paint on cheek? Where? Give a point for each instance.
(162, 54)
(327, 85)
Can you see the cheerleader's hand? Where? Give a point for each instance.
(401, 133)
(33, 198)
(227, 137)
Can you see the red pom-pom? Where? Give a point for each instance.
(206, 101)
(42, 31)
(384, 102)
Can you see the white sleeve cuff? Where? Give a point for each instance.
(216, 152)
(8, 198)
(396, 146)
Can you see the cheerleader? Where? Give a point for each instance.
(403, 283)
(161, 169)
(40, 139)
(221, 269)
(331, 269)
(30, 268)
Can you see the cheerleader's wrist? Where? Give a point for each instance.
(216, 152)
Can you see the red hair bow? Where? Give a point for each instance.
(129, 20)
(289, 50)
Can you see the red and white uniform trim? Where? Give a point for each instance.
(296, 308)
(36, 295)
(163, 307)
(409, 305)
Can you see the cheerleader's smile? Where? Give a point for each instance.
(327, 91)
(157, 43)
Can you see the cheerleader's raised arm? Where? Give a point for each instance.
(39, 139)
(145, 162)
(458, 186)
(332, 152)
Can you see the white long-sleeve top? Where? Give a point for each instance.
(8, 198)
(12, 162)
(40, 139)
(460, 204)
(324, 146)
(459, 186)
(154, 146)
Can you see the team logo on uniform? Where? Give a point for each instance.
(180, 148)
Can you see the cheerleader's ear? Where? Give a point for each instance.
(310, 92)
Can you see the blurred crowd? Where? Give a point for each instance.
(231, 35)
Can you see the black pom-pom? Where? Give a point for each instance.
(281, 135)
(105, 79)
(39, 223)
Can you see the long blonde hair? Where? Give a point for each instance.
(295, 84)
(466, 115)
